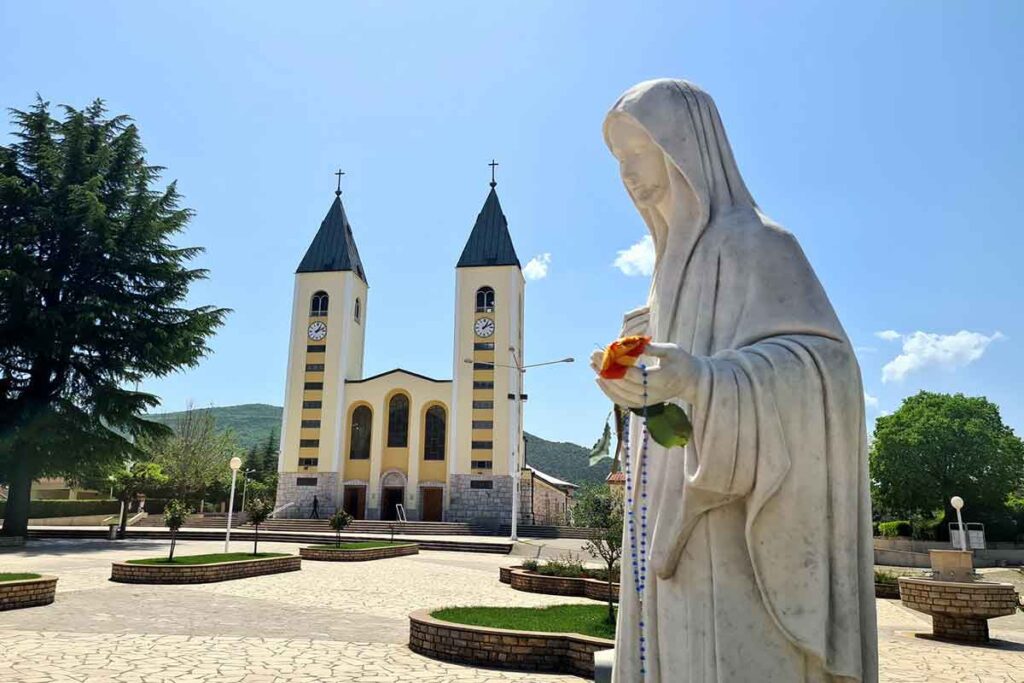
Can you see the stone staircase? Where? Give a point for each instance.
(216, 520)
(372, 526)
(538, 531)
(246, 534)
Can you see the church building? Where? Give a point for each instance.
(401, 442)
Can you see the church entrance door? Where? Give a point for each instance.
(433, 504)
(355, 501)
(393, 495)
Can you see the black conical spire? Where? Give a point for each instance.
(334, 247)
(490, 243)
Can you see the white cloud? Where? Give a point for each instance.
(888, 335)
(638, 259)
(870, 402)
(923, 350)
(537, 268)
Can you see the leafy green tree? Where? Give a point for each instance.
(339, 520)
(175, 515)
(599, 508)
(196, 456)
(132, 479)
(258, 509)
(936, 446)
(91, 295)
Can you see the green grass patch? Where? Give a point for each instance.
(212, 558)
(16, 577)
(588, 620)
(358, 545)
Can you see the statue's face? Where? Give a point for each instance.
(641, 162)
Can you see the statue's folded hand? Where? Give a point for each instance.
(676, 376)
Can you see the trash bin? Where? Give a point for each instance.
(112, 532)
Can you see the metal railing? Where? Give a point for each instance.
(273, 515)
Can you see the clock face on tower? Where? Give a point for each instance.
(317, 330)
(484, 327)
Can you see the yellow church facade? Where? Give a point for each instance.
(401, 443)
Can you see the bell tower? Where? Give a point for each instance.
(325, 348)
(486, 431)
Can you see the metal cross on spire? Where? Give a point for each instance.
(339, 173)
(492, 165)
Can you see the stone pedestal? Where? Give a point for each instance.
(959, 606)
(952, 565)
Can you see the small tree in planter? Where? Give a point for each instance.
(339, 520)
(259, 510)
(600, 509)
(175, 514)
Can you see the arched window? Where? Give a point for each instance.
(433, 438)
(484, 300)
(398, 421)
(318, 304)
(359, 444)
(359, 310)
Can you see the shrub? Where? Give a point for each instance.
(338, 521)
(175, 514)
(529, 565)
(259, 510)
(885, 577)
(567, 566)
(895, 529)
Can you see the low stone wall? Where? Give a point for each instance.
(27, 592)
(959, 611)
(359, 555)
(123, 572)
(531, 582)
(504, 648)
(889, 591)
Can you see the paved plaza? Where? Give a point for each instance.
(333, 622)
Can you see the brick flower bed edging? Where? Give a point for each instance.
(27, 592)
(359, 555)
(123, 572)
(959, 611)
(504, 648)
(887, 590)
(531, 582)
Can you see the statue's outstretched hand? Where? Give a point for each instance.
(676, 376)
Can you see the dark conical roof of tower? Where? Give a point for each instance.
(490, 243)
(334, 247)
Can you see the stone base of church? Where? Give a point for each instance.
(471, 502)
(300, 487)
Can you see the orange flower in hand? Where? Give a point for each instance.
(622, 354)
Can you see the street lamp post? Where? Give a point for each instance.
(235, 463)
(957, 502)
(245, 485)
(518, 397)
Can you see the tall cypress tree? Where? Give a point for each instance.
(91, 295)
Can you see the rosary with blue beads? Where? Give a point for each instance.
(638, 556)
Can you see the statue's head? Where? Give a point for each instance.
(641, 160)
(668, 138)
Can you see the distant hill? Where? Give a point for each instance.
(253, 422)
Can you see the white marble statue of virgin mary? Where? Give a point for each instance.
(760, 549)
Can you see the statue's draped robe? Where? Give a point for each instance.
(760, 544)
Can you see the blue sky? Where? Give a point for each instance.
(886, 136)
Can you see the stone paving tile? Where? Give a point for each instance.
(336, 622)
